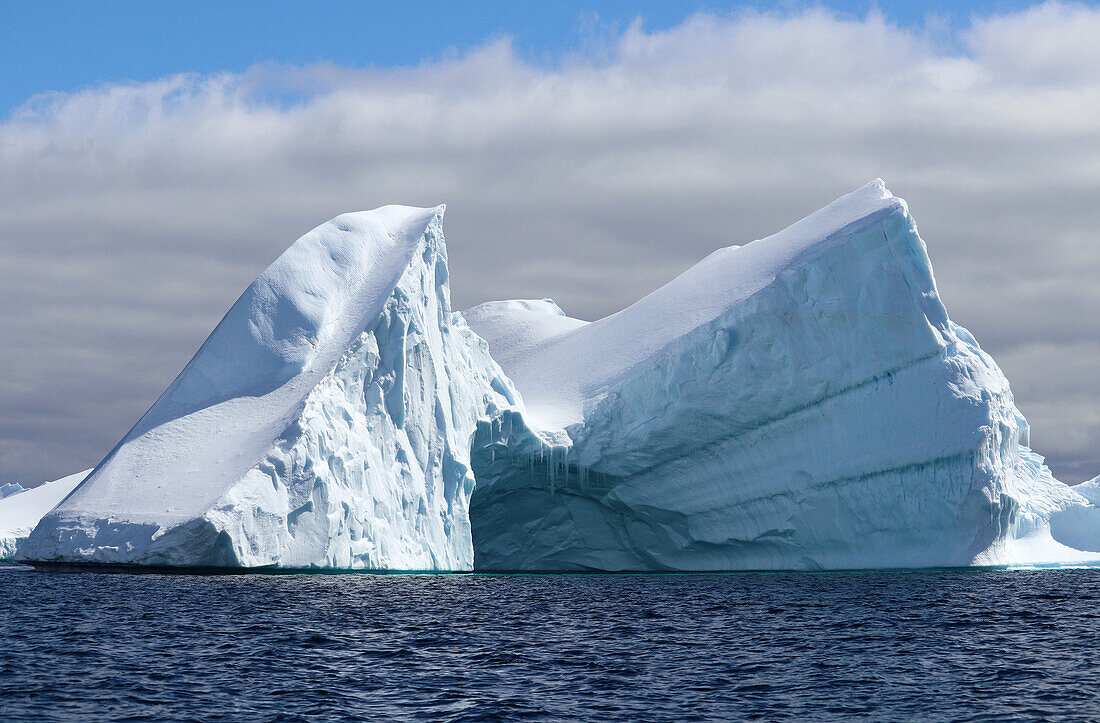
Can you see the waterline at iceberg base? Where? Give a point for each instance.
(800, 402)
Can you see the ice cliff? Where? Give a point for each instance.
(801, 402)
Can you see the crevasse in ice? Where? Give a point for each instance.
(801, 402)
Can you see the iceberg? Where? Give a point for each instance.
(21, 509)
(12, 488)
(325, 423)
(800, 402)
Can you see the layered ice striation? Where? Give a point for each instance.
(326, 422)
(801, 402)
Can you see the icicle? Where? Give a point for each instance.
(565, 464)
(553, 470)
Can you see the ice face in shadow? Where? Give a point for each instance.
(326, 422)
(801, 402)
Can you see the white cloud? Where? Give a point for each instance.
(1052, 44)
(131, 216)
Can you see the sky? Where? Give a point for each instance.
(67, 46)
(155, 157)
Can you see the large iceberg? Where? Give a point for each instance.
(801, 402)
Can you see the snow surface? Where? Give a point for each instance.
(20, 509)
(800, 402)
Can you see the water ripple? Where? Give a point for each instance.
(943, 645)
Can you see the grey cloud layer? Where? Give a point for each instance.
(131, 216)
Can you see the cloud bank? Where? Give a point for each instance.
(132, 215)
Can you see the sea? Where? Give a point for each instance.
(944, 645)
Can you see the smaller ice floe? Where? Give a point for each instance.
(1089, 490)
(12, 488)
(21, 509)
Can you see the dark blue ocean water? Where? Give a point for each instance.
(948, 645)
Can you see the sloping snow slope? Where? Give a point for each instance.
(326, 422)
(799, 402)
(21, 511)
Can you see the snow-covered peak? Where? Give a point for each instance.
(250, 379)
(301, 312)
(733, 273)
(519, 326)
(561, 366)
(521, 306)
(866, 200)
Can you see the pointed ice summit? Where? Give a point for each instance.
(801, 402)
